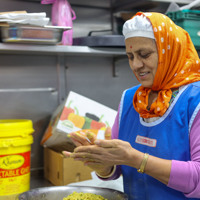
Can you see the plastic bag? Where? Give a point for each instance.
(47, 1)
(62, 15)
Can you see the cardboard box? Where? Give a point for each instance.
(62, 171)
(75, 114)
(80, 112)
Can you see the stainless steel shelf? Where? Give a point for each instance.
(60, 50)
(120, 5)
(176, 1)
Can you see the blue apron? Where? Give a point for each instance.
(167, 138)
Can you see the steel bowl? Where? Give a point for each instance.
(59, 192)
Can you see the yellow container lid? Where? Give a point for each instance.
(16, 141)
(15, 127)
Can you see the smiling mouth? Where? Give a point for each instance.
(143, 74)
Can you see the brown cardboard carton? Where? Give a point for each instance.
(62, 171)
(77, 113)
(80, 112)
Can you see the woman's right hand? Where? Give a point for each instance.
(83, 137)
(99, 168)
(86, 138)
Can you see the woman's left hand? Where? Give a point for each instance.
(108, 153)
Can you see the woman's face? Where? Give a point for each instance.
(143, 59)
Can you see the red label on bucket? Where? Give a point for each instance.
(14, 165)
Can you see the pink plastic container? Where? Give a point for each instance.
(62, 15)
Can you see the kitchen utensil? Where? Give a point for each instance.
(16, 33)
(59, 192)
(108, 40)
(100, 41)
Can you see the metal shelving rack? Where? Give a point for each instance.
(60, 50)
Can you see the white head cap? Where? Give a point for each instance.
(138, 26)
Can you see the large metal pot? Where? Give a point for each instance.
(59, 192)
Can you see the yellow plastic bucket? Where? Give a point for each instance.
(15, 157)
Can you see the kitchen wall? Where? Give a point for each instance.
(29, 84)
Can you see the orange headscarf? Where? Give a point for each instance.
(178, 65)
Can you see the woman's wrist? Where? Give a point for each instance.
(135, 158)
(106, 173)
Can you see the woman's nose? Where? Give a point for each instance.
(136, 63)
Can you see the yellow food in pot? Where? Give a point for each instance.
(83, 196)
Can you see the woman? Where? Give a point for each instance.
(156, 140)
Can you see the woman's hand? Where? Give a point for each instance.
(96, 166)
(86, 138)
(104, 154)
(83, 137)
(108, 153)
